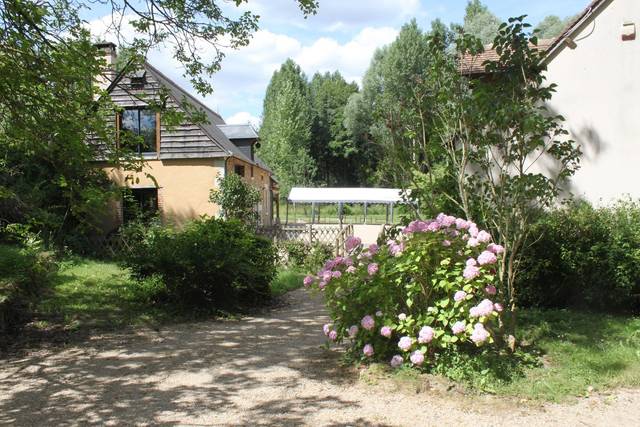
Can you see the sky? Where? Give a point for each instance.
(342, 36)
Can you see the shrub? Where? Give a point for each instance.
(210, 264)
(416, 298)
(585, 257)
(237, 199)
(25, 272)
(298, 254)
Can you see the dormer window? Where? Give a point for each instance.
(138, 79)
(140, 121)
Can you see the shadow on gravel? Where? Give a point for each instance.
(178, 373)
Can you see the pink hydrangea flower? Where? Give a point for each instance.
(373, 249)
(326, 328)
(353, 331)
(368, 323)
(496, 249)
(327, 275)
(472, 242)
(459, 296)
(396, 249)
(425, 335)
(447, 220)
(490, 289)
(473, 230)
(498, 307)
(470, 272)
(484, 237)
(433, 226)
(402, 316)
(351, 269)
(322, 284)
(446, 243)
(417, 358)
(352, 243)
(385, 331)
(368, 350)
(372, 268)
(458, 327)
(480, 334)
(333, 335)
(487, 257)
(485, 308)
(308, 280)
(397, 361)
(471, 261)
(462, 224)
(336, 274)
(405, 343)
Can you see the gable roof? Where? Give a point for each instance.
(473, 64)
(575, 25)
(211, 128)
(179, 95)
(239, 131)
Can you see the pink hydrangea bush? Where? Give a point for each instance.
(431, 290)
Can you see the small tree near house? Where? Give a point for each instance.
(237, 199)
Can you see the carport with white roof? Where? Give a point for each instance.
(341, 196)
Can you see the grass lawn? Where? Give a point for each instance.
(580, 350)
(352, 214)
(96, 294)
(90, 294)
(287, 280)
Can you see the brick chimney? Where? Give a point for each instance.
(110, 56)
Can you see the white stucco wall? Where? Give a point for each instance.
(599, 95)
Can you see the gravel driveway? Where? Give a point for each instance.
(265, 370)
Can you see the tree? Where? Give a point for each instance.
(480, 22)
(286, 128)
(333, 149)
(500, 138)
(551, 26)
(237, 199)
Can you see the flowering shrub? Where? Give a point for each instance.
(429, 291)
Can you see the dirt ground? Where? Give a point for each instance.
(270, 369)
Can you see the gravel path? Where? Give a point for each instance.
(264, 370)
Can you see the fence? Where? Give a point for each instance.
(334, 235)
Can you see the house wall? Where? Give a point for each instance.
(599, 95)
(183, 188)
(261, 180)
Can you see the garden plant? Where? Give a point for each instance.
(418, 299)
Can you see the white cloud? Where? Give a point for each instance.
(334, 15)
(239, 87)
(351, 59)
(243, 118)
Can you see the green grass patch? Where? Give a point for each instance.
(580, 351)
(99, 295)
(285, 281)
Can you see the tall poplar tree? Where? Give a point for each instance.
(332, 147)
(286, 128)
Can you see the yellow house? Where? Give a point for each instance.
(184, 162)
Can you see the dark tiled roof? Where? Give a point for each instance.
(214, 118)
(239, 131)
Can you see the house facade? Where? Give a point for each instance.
(595, 63)
(183, 162)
